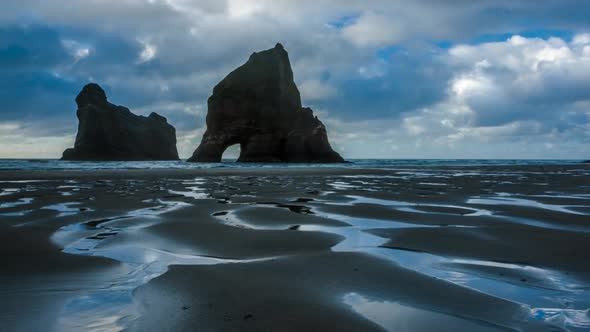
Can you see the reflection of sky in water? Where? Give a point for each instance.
(110, 309)
(561, 289)
(8, 191)
(73, 187)
(466, 174)
(25, 181)
(551, 194)
(343, 185)
(16, 214)
(446, 268)
(568, 319)
(543, 224)
(146, 263)
(83, 245)
(526, 203)
(386, 313)
(194, 191)
(21, 201)
(154, 211)
(69, 190)
(396, 317)
(97, 311)
(231, 219)
(416, 174)
(64, 209)
(356, 240)
(405, 206)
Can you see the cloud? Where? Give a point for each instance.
(148, 52)
(520, 78)
(373, 30)
(20, 140)
(425, 77)
(30, 48)
(519, 98)
(316, 90)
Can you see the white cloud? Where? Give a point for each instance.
(19, 141)
(414, 125)
(373, 30)
(76, 49)
(520, 73)
(513, 99)
(312, 90)
(186, 141)
(244, 8)
(373, 70)
(581, 39)
(511, 91)
(148, 52)
(196, 110)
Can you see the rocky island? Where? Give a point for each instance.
(258, 106)
(111, 132)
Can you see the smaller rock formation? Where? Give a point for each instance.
(111, 132)
(259, 107)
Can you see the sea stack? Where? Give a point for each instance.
(259, 107)
(111, 132)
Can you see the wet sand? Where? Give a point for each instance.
(297, 249)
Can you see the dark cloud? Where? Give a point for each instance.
(30, 48)
(31, 89)
(401, 82)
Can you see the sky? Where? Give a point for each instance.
(389, 79)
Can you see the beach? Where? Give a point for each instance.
(407, 248)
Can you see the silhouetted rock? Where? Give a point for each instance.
(586, 161)
(259, 107)
(111, 132)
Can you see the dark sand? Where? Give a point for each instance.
(297, 249)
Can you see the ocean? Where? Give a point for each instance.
(56, 164)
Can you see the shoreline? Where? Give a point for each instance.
(7, 175)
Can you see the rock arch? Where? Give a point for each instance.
(259, 107)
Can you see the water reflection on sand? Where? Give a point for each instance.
(551, 295)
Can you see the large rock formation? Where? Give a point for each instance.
(111, 132)
(259, 107)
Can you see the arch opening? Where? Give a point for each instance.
(231, 153)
